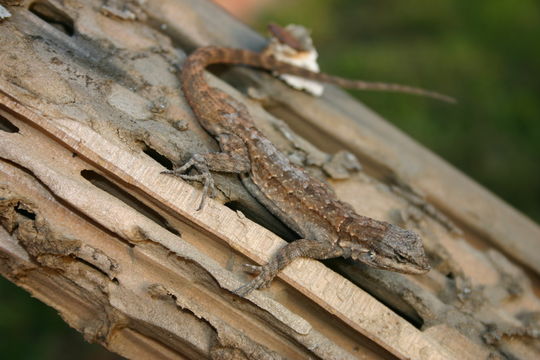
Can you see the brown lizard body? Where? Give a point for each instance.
(329, 228)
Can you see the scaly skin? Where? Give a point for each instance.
(328, 227)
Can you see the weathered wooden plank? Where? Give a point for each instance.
(108, 91)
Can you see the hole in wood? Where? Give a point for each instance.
(162, 159)
(410, 315)
(53, 16)
(92, 266)
(283, 231)
(24, 212)
(361, 275)
(7, 126)
(128, 199)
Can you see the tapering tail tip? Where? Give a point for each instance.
(445, 98)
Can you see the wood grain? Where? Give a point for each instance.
(137, 269)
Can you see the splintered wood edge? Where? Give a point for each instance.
(76, 308)
(334, 293)
(148, 268)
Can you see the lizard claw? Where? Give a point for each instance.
(244, 290)
(252, 269)
(260, 282)
(198, 162)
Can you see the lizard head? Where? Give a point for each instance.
(397, 250)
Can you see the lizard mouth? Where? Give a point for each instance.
(406, 267)
(413, 269)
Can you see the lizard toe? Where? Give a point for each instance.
(252, 269)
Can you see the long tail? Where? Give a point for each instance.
(212, 55)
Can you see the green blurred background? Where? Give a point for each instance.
(485, 53)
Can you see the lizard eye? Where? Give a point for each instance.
(371, 255)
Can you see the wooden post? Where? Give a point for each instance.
(91, 112)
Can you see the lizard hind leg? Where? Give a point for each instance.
(300, 248)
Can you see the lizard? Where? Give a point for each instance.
(328, 227)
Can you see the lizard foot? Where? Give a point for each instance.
(198, 162)
(263, 279)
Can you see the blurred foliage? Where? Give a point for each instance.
(484, 53)
(30, 329)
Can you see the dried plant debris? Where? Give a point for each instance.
(293, 45)
(4, 13)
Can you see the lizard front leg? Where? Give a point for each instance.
(313, 249)
(233, 159)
